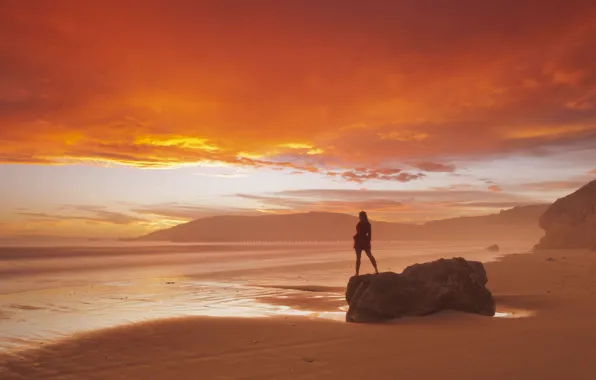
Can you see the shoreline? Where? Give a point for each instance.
(555, 342)
(258, 298)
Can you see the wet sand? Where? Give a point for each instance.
(49, 293)
(553, 338)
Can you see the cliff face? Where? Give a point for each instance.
(570, 222)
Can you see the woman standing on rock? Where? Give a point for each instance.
(362, 241)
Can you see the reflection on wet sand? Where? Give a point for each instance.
(514, 313)
(44, 298)
(55, 313)
(61, 314)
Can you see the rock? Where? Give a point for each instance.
(550, 259)
(421, 289)
(570, 222)
(493, 248)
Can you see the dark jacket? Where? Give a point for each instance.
(363, 236)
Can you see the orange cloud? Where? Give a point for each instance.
(495, 188)
(551, 132)
(402, 136)
(157, 84)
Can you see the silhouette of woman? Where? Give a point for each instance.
(362, 241)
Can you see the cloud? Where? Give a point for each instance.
(125, 219)
(592, 171)
(90, 215)
(402, 136)
(24, 159)
(289, 204)
(434, 167)
(493, 205)
(396, 205)
(439, 195)
(362, 175)
(457, 186)
(185, 212)
(555, 185)
(495, 188)
(130, 219)
(275, 95)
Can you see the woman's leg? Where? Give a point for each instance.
(358, 255)
(372, 260)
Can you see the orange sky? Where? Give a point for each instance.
(395, 96)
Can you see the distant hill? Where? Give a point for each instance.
(518, 223)
(312, 226)
(512, 224)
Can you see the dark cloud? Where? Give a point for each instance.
(24, 159)
(433, 167)
(362, 175)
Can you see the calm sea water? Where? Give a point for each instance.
(53, 292)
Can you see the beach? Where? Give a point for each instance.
(271, 190)
(545, 330)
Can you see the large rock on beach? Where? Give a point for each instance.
(421, 289)
(570, 222)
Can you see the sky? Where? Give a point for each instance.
(122, 117)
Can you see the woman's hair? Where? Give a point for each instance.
(363, 216)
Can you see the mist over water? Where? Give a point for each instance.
(53, 292)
